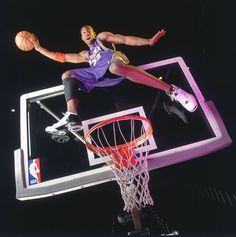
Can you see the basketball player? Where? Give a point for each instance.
(103, 58)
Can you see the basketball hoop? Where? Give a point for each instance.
(122, 143)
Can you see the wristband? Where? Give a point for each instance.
(60, 57)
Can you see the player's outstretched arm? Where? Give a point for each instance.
(60, 57)
(156, 37)
(130, 40)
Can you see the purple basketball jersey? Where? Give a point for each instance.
(99, 58)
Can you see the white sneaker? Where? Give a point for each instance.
(67, 122)
(187, 100)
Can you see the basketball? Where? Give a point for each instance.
(23, 42)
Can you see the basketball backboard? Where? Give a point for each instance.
(64, 164)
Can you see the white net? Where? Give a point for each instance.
(122, 143)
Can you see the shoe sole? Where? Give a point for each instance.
(76, 128)
(193, 109)
(58, 132)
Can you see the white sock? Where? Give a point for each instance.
(71, 113)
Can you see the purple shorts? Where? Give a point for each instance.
(96, 76)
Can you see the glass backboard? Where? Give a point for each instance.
(62, 164)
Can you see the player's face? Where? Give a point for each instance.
(87, 34)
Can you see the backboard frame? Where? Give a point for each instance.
(101, 175)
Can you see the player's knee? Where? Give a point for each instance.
(65, 75)
(115, 68)
(70, 88)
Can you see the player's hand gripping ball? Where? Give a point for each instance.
(24, 40)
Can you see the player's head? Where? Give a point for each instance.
(87, 34)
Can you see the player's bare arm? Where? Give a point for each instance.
(61, 57)
(130, 40)
(156, 37)
(76, 57)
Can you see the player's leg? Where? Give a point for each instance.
(71, 92)
(140, 76)
(71, 119)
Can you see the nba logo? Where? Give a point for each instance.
(34, 171)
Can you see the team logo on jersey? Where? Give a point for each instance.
(93, 58)
(34, 171)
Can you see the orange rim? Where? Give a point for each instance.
(132, 144)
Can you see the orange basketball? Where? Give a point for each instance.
(23, 42)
